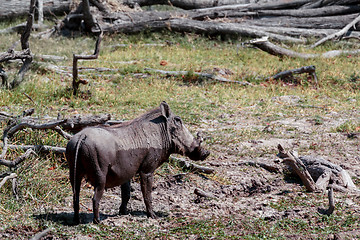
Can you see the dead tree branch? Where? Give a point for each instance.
(73, 124)
(331, 208)
(39, 148)
(42, 234)
(265, 45)
(288, 74)
(331, 201)
(11, 176)
(321, 171)
(18, 160)
(295, 163)
(76, 81)
(337, 34)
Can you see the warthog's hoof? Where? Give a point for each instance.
(76, 220)
(152, 215)
(123, 211)
(96, 220)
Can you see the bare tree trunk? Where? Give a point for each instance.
(16, 8)
(25, 45)
(40, 11)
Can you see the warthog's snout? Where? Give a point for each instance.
(198, 153)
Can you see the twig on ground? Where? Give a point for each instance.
(331, 201)
(202, 193)
(289, 73)
(191, 166)
(331, 208)
(268, 167)
(200, 74)
(42, 234)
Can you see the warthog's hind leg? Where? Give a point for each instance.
(99, 191)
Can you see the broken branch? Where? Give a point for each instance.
(202, 193)
(338, 34)
(288, 74)
(265, 45)
(199, 74)
(11, 176)
(190, 166)
(295, 163)
(77, 82)
(18, 160)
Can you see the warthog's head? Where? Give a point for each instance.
(182, 140)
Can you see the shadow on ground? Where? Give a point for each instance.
(66, 218)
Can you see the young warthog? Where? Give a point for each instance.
(111, 156)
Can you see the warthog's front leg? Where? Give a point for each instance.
(125, 196)
(146, 187)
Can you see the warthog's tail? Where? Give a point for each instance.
(78, 144)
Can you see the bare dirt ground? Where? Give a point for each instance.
(241, 189)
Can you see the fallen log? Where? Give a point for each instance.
(273, 15)
(77, 123)
(73, 124)
(278, 51)
(13, 55)
(313, 12)
(16, 8)
(186, 4)
(321, 22)
(193, 26)
(20, 28)
(322, 3)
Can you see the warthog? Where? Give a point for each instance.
(111, 156)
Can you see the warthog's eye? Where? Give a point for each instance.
(177, 121)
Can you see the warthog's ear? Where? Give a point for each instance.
(165, 109)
